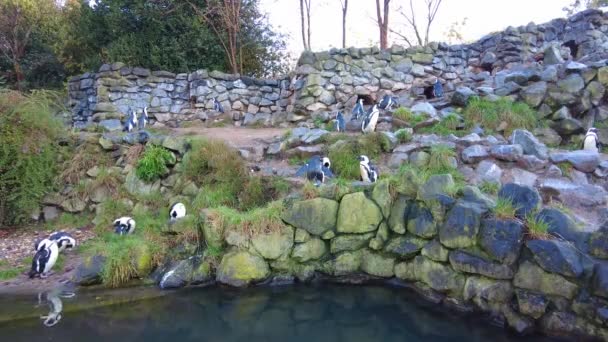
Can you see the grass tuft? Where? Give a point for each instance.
(490, 188)
(490, 114)
(403, 136)
(153, 163)
(537, 228)
(504, 209)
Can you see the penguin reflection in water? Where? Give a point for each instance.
(317, 169)
(53, 299)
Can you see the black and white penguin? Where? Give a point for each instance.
(369, 172)
(64, 241)
(143, 119)
(178, 210)
(124, 225)
(591, 141)
(371, 119)
(437, 89)
(217, 106)
(358, 110)
(131, 122)
(387, 102)
(44, 259)
(340, 124)
(317, 169)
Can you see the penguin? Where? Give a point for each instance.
(437, 89)
(358, 110)
(44, 259)
(178, 210)
(369, 172)
(131, 122)
(143, 119)
(591, 141)
(371, 119)
(340, 123)
(387, 102)
(124, 225)
(64, 241)
(317, 169)
(217, 106)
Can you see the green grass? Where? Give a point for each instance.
(403, 114)
(504, 209)
(448, 125)
(152, 164)
(537, 228)
(67, 220)
(344, 154)
(439, 159)
(403, 136)
(490, 188)
(566, 168)
(490, 114)
(261, 220)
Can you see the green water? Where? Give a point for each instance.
(290, 313)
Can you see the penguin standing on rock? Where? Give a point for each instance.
(44, 259)
(591, 141)
(317, 169)
(178, 210)
(369, 172)
(387, 102)
(340, 123)
(217, 106)
(358, 110)
(371, 119)
(437, 89)
(143, 119)
(131, 122)
(124, 225)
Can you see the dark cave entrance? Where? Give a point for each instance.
(571, 44)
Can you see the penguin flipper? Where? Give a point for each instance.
(327, 172)
(302, 171)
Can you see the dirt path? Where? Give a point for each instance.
(239, 137)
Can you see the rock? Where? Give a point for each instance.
(467, 263)
(419, 159)
(474, 154)
(111, 125)
(276, 148)
(482, 290)
(568, 126)
(435, 251)
(438, 276)
(572, 194)
(462, 95)
(436, 185)
(89, 272)
(562, 225)
(313, 136)
(382, 196)
(520, 324)
(137, 187)
(584, 161)
(301, 236)
(273, 244)
(532, 163)
(358, 214)
(312, 249)
(523, 177)
(50, 213)
(556, 257)
(531, 304)
(548, 136)
(598, 242)
(502, 239)
(534, 94)
(404, 247)
(178, 275)
(552, 56)
(107, 144)
(424, 108)
(532, 277)
(240, 268)
(315, 216)
(599, 283)
(461, 226)
(602, 75)
(73, 205)
(349, 242)
(529, 143)
(175, 144)
(396, 221)
(420, 221)
(524, 198)
(474, 195)
(345, 263)
(397, 159)
(572, 84)
(377, 264)
(488, 171)
(507, 152)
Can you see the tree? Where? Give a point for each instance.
(454, 31)
(383, 22)
(344, 4)
(305, 24)
(579, 5)
(421, 32)
(20, 20)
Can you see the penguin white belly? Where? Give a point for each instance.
(54, 253)
(371, 127)
(590, 144)
(364, 174)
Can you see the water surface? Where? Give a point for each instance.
(291, 313)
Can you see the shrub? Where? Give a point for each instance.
(504, 209)
(490, 114)
(29, 152)
(153, 163)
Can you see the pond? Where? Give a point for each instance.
(290, 313)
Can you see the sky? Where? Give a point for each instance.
(483, 16)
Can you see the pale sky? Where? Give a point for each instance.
(484, 16)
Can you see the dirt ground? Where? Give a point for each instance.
(238, 137)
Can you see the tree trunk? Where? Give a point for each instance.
(383, 23)
(18, 74)
(344, 10)
(303, 24)
(308, 4)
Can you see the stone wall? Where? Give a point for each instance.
(108, 95)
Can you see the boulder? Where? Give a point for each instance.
(468, 263)
(598, 242)
(534, 94)
(313, 136)
(405, 247)
(524, 198)
(474, 154)
(273, 244)
(461, 226)
(435, 251)
(529, 143)
(572, 84)
(568, 126)
(73, 205)
(137, 187)
(462, 95)
(507, 152)
(602, 75)
(502, 239)
(89, 272)
(377, 265)
(531, 304)
(420, 221)
(424, 108)
(552, 56)
(562, 225)
(349, 242)
(556, 257)
(358, 214)
(547, 136)
(488, 171)
(382, 196)
(436, 275)
(50, 213)
(111, 125)
(582, 160)
(474, 195)
(435, 185)
(315, 216)
(599, 282)
(176, 144)
(345, 263)
(397, 220)
(312, 249)
(573, 195)
(178, 275)
(482, 290)
(523, 177)
(534, 278)
(240, 268)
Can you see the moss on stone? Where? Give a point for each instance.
(532, 277)
(312, 249)
(239, 268)
(358, 214)
(377, 264)
(316, 216)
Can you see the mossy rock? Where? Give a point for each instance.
(405, 247)
(178, 275)
(240, 268)
(143, 262)
(344, 263)
(349, 242)
(435, 251)
(89, 272)
(598, 243)
(532, 277)
(382, 196)
(301, 236)
(213, 233)
(480, 290)
(274, 244)
(461, 226)
(358, 214)
(316, 216)
(137, 187)
(435, 185)
(312, 249)
(377, 264)
(438, 276)
(420, 221)
(397, 219)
